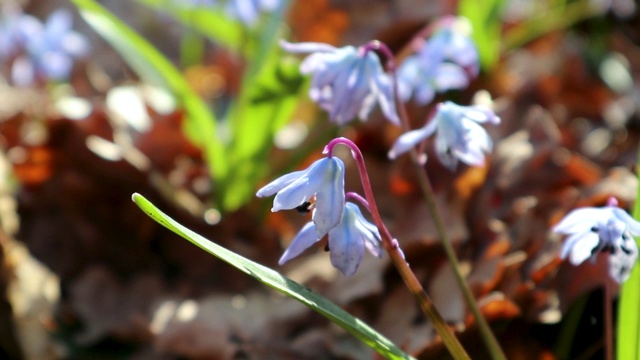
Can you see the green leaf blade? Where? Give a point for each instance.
(279, 283)
(154, 67)
(487, 28)
(628, 332)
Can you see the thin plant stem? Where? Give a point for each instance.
(392, 247)
(608, 320)
(425, 185)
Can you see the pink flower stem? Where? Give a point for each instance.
(357, 197)
(395, 253)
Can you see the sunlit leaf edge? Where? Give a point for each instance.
(278, 282)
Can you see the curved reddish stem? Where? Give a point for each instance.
(397, 256)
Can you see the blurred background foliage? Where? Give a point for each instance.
(195, 106)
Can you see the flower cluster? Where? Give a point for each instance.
(608, 230)
(446, 61)
(349, 232)
(246, 11)
(40, 51)
(347, 81)
(459, 135)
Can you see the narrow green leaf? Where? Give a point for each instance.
(272, 88)
(628, 334)
(487, 28)
(269, 106)
(211, 22)
(278, 282)
(150, 64)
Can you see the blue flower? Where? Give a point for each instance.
(347, 241)
(459, 135)
(445, 61)
(594, 230)
(347, 81)
(324, 179)
(42, 50)
(248, 11)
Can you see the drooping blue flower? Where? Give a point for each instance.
(346, 82)
(594, 230)
(445, 61)
(324, 179)
(40, 50)
(347, 241)
(459, 135)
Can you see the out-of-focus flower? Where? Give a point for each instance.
(248, 11)
(347, 81)
(446, 61)
(324, 179)
(41, 50)
(620, 8)
(459, 135)
(594, 230)
(347, 241)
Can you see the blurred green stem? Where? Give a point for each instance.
(560, 17)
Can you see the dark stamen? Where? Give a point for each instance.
(305, 207)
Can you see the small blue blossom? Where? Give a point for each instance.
(446, 61)
(41, 50)
(248, 11)
(459, 135)
(594, 230)
(324, 179)
(347, 241)
(347, 81)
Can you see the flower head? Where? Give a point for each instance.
(459, 135)
(347, 82)
(446, 61)
(248, 11)
(324, 179)
(42, 50)
(601, 230)
(347, 240)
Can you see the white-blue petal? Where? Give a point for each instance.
(410, 139)
(632, 224)
(369, 232)
(580, 220)
(621, 263)
(570, 241)
(347, 247)
(450, 76)
(385, 97)
(444, 152)
(303, 188)
(583, 248)
(305, 238)
(279, 183)
(305, 47)
(330, 198)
